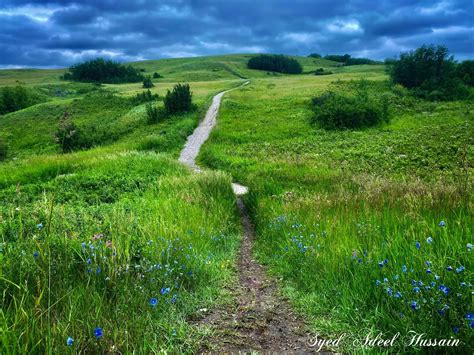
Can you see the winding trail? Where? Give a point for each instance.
(260, 320)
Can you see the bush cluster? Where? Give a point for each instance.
(276, 63)
(335, 110)
(179, 99)
(431, 73)
(147, 82)
(315, 55)
(346, 59)
(67, 134)
(14, 98)
(103, 71)
(321, 71)
(154, 113)
(156, 75)
(144, 97)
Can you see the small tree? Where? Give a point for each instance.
(67, 134)
(153, 113)
(179, 100)
(147, 83)
(156, 75)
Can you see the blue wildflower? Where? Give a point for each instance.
(456, 330)
(88, 269)
(449, 268)
(39, 226)
(385, 262)
(414, 305)
(89, 261)
(429, 240)
(444, 289)
(377, 282)
(35, 254)
(470, 316)
(404, 268)
(398, 295)
(460, 269)
(395, 277)
(463, 284)
(416, 289)
(385, 280)
(83, 245)
(69, 341)
(428, 263)
(165, 290)
(98, 332)
(98, 270)
(389, 291)
(417, 245)
(427, 288)
(442, 223)
(432, 284)
(381, 263)
(153, 302)
(437, 277)
(469, 246)
(173, 299)
(428, 271)
(413, 282)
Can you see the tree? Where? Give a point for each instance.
(430, 72)
(3, 149)
(315, 55)
(100, 70)
(179, 99)
(465, 72)
(276, 63)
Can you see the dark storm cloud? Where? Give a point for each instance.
(62, 32)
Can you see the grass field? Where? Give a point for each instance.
(366, 230)
(363, 227)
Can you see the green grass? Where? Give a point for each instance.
(329, 206)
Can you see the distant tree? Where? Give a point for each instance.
(338, 58)
(276, 63)
(147, 83)
(465, 72)
(100, 70)
(315, 55)
(156, 75)
(179, 99)
(67, 134)
(430, 72)
(14, 98)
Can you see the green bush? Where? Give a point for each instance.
(154, 113)
(156, 75)
(103, 71)
(3, 150)
(14, 98)
(147, 83)
(430, 72)
(276, 63)
(335, 110)
(67, 134)
(143, 97)
(321, 71)
(179, 100)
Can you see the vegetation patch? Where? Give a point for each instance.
(103, 71)
(14, 98)
(275, 63)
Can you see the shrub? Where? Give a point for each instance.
(147, 83)
(156, 75)
(315, 55)
(143, 97)
(179, 100)
(103, 71)
(3, 150)
(321, 71)
(346, 59)
(343, 111)
(337, 57)
(153, 113)
(14, 98)
(67, 135)
(430, 72)
(277, 63)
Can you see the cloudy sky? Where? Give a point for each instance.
(54, 33)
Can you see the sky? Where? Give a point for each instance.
(58, 33)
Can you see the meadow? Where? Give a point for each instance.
(368, 230)
(119, 248)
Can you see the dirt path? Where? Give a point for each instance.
(260, 320)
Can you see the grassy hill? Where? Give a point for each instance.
(122, 237)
